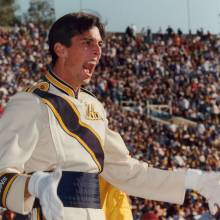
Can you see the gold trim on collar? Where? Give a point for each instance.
(60, 84)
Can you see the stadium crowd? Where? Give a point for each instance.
(135, 69)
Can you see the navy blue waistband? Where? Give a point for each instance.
(79, 189)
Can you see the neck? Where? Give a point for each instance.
(65, 76)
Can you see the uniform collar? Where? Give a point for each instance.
(59, 83)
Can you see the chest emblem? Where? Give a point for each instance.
(91, 114)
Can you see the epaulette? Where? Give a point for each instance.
(43, 86)
(87, 91)
(26, 88)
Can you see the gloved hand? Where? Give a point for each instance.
(207, 184)
(44, 186)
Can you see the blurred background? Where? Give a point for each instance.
(159, 79)
(155, 14)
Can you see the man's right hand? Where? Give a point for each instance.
(44, 186)
(207, 184)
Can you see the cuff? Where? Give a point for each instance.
(15, 197)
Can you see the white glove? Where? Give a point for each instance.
(44, 186)
(207, 184)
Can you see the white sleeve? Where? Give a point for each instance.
(136, 178)
(20, 127)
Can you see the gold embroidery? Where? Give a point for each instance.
(44, 86)
(91, 114)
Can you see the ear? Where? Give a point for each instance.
(60, 50)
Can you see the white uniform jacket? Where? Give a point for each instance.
(32, 139)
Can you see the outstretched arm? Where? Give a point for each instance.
(207, 184)
(136, 178)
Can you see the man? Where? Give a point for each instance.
(55, 140)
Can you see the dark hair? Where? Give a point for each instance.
(70, 25)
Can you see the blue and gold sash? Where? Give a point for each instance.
(69, 119)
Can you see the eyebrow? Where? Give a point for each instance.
(90, 39)
(86, 38)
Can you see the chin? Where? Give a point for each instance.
(86, 81)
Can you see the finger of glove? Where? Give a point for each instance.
(51, 205)
(57, 207)
(213, 208)
(56, 175)
(58, 214)
(47, 213)
(53, 202)
(53, 213)
(54, 198)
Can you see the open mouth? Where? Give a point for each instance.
(89, 67)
